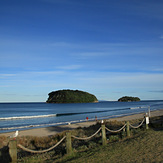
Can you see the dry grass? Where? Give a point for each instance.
(3, 141)
(145, 147)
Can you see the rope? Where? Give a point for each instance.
(116, 130)
(46, 150)
(87, 137)
(138, 125)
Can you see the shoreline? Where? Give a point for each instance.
(49, 131)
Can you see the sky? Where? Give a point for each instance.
(108, 48)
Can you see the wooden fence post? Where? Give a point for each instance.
(147, 121)
(13, 150)
(128, 129)
(103, 134)
(68, 143)
(124, 132)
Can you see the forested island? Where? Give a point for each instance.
(71, 96)
(128, 99)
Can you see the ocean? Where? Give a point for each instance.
(21, 116)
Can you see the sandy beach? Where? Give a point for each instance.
(48, 131)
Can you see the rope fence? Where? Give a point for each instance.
(115, 131)
(87, 137)
(42, 151)
(13, 143)
(138, 125)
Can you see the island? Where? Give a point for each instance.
(128, 99)
(71, 96)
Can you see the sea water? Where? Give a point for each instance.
(20, 116)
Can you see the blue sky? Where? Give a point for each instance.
(107, 48)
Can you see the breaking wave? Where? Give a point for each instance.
(27, 117)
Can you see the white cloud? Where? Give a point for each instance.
(45, 73)
(161, 37)
(92, 54)
(70, 67)
(124, 80)
(3, 76)
(157, 69)
(64, 44)
(157, 91)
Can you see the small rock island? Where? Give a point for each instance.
(71, 96)
(128, 99)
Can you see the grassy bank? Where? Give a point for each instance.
(142, 146)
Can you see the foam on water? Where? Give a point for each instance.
(27, 117)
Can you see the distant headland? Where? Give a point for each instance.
(71, 96)
(128, 99)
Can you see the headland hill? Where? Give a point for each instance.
(71, 96)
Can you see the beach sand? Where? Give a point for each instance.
(48, 131)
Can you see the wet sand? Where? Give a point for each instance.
(48, 131)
